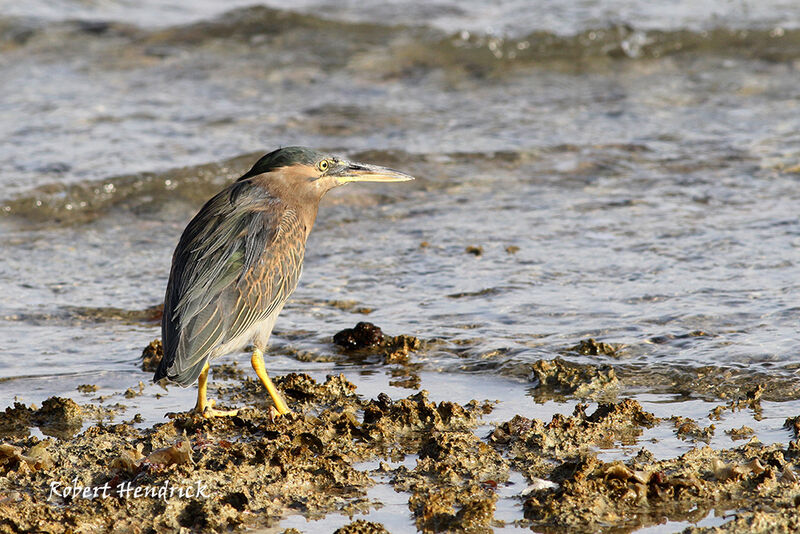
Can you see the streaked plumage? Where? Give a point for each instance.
(240, 258)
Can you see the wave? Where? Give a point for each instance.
(75, 203)
(18, 32)
(80, 203)
(335, 40)
(77, 315)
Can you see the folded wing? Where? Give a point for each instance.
(234, 266)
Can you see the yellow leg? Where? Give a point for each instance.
(205, 407)
(202, 386)
(257, 362)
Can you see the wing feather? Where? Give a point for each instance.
(233, 267)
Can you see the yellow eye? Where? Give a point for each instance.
(323, 165)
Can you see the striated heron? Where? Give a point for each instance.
(240, 258)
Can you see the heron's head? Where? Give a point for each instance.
(304, 171)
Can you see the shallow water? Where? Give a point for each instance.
(644, 161)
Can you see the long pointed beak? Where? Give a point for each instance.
(363, 172)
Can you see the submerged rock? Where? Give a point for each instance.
(368, 339)
(151, 356)
(590, 347)
(744, 432)
(361, 526)
(474, 250)
(687, 429)
(16, 421)
(531, 440)
(364, 335)
(58, 417)
(582, 381)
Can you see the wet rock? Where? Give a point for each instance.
(58, 417)
(688, 429)
(590, 347)
(724, 472)
(408, 382)
(57, 410)
(512, 249)
(300, 391)
(533, 446)
(716, 413)
(364, 335)
(742, 388)
(16, 420)
(131, 393)
(416, 413)
(792, 423)
(593, 492)
(176, 454)
(452, 511)
(105, 314)
(251, 466)
(361, 526)
(593, 495)
(228, 371)
(338, 386)
(474, 250)
(397, 348)
(582, 381)
(350, 306)
(750, 400)
(252, 469)
(87, 388)
(304, 388)
(743, 432)
(367, 340)
(509, 430)
(453, 485)
(35, 458)
(151, 356)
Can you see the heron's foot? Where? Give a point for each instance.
(257, 361)
(274, 414)
(209, 411)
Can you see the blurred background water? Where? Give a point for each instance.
(629, 170)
